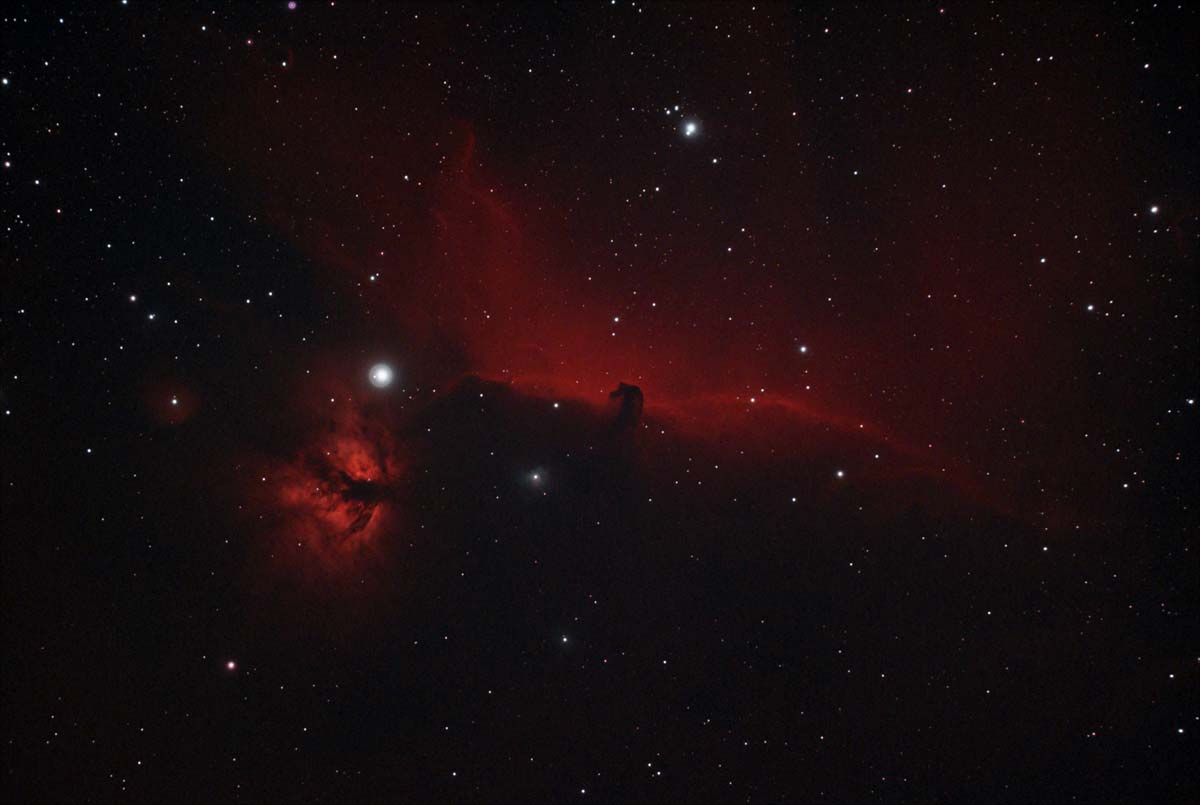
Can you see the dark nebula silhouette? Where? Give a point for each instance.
(631, 401)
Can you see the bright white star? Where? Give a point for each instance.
(381, 375)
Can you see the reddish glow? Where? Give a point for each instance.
(170, 402)
(323, 507)
(495, 279)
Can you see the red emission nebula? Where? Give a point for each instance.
(452, 261)
(468, 281)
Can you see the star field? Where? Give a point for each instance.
(599, 402)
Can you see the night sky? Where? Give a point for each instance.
(600, 402)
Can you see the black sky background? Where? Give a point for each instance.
(696, 609)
